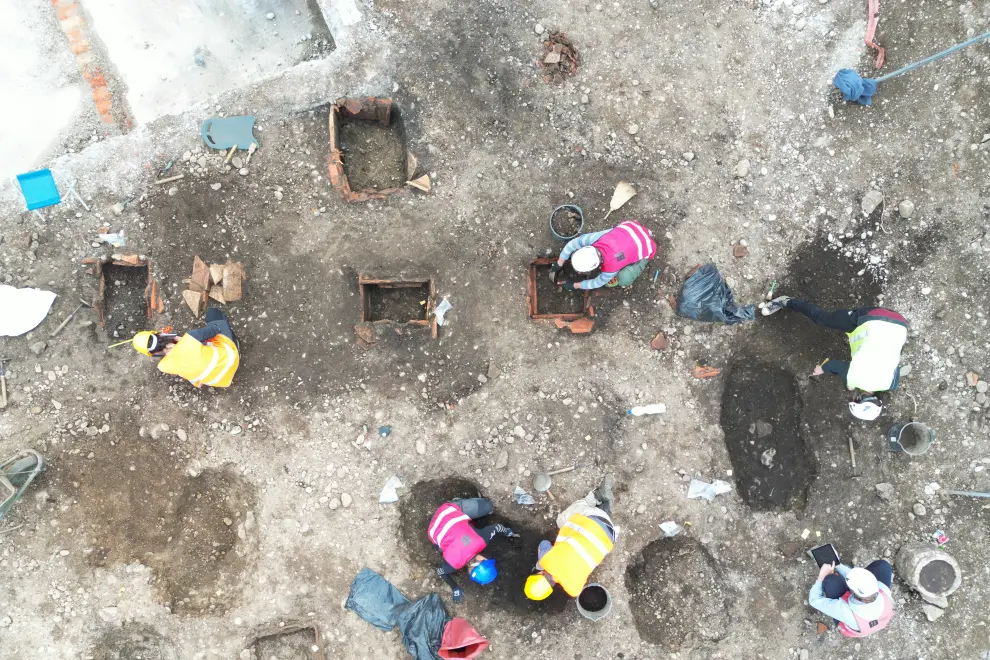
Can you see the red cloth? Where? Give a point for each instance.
(461, 640)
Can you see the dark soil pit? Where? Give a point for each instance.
(566, 222)
(554, 299)
(677, 594)
(132, 642)
(514, 558)
(291, 643)
(374, 155)
(125, 305)
(761, 419)
(399, 304)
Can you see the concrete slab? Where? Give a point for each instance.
(175, 55)
(48, 97)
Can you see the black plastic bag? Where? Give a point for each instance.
(706, 297)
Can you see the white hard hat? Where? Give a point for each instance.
(586, 259)
(862, 583)
(867, 409)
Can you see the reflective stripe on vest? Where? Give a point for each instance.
(876, 350)
(869, 626)
(451, 531)
(624, 245)
(574, 555)
(212, 363)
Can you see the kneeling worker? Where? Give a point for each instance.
(858, 599)
(207, 356)
(615, 257)
(587, 534)
(876, 337)
(452, 533)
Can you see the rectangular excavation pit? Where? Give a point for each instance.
(546, 300)
(300, 641)
(127, 295)
(368, 158)
(402, 301)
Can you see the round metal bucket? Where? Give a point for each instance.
(594, 602)
(561, 210)
(913, 438)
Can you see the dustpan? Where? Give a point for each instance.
(623, 193)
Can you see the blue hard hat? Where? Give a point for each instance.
(485, 572)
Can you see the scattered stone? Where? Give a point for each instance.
(181, 435)
(742, 168)
(346, 500)
(926, 290)
(237, 162)
(740, 251)
(482, 378)
(215, 186)
(797, 9)
(933, 613)
(641, 509)
(236, 429)
(538, 28)
(972, 378)
(632, 129)
(905, 370)
(886, 492)
(39, 347)
(871, 200)
(919, 509)
(502, 460)
(519, 432)
(56, 405)
(659, 342)
(5, 622)
(688, 156)
(420, 447)
(270, 16)
(981, 386)
(334, 503)
(803, 654)
(109, 614)
(243, 171)
(801, 24)
(822, 628)
(585, 100)
(763, 429)
(707, 538)
(981, 398)
(906, 208)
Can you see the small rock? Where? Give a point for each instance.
(801, 24)
(334, 503)
(926, 290)
(181, 435)
(707, 538)
(972, 378)
(803, 654)
(585, 100)
(482, 378)
(742, 168)
(346, 500)
(797, 9)
(195, 468)
(641, 509)
(871, 200)
(420, 447)
(632, 129)
(905, 370)
(502, 460)
(740, 251)
(933, 613)
(237, 162)
(538, 28)
(109, 614)
(39, 347)
(906, 208)
(659, 342)
(763, 429)
(5, 622)
(919, 509)
(243, 171)
(215, 186)
(270, 16)
(56, 405)
(981, 398)
(981, 386)
(885, 492)
(519, 432)
(236, 430)
(688, 156)
(249, 520)
(278, 195)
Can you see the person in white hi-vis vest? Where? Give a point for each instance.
(876, 337)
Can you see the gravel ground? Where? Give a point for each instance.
(176, 523)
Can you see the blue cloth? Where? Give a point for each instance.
(854, 87)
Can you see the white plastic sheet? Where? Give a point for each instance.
(21, 310)
(703, 489)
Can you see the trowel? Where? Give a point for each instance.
(542, 480)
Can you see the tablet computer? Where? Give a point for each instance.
(825, 554)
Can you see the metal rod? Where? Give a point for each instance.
(936, 56)
(969, 493)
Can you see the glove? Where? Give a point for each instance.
(510, 533)
(568, 285)
(458, 595)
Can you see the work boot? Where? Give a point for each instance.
(604, 494)
(775, 305)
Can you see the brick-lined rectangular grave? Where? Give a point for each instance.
(547, 300)
(400, 301)
(368, 158)
(127, 295)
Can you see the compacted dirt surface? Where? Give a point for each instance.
(176, 523)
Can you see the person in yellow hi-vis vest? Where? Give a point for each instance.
(206, 356)
(876, 337)
(587, 534)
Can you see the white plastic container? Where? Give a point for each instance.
(652, 409)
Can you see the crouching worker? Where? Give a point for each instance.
(206, 356)
(615, 257)
(857, 598)
(452, 533)
(587, 534)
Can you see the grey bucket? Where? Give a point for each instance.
(913, 438)
(569, 207)
(592, 597)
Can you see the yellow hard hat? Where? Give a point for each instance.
(537, 587)
(140, 342)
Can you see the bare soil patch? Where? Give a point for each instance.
(677, 593)
(132, 642)
(126, 307)
(514, 558)
(399, 304)
(135, 503)
(374, 155)
(761, 418)
(554, 299)
(293, 646)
